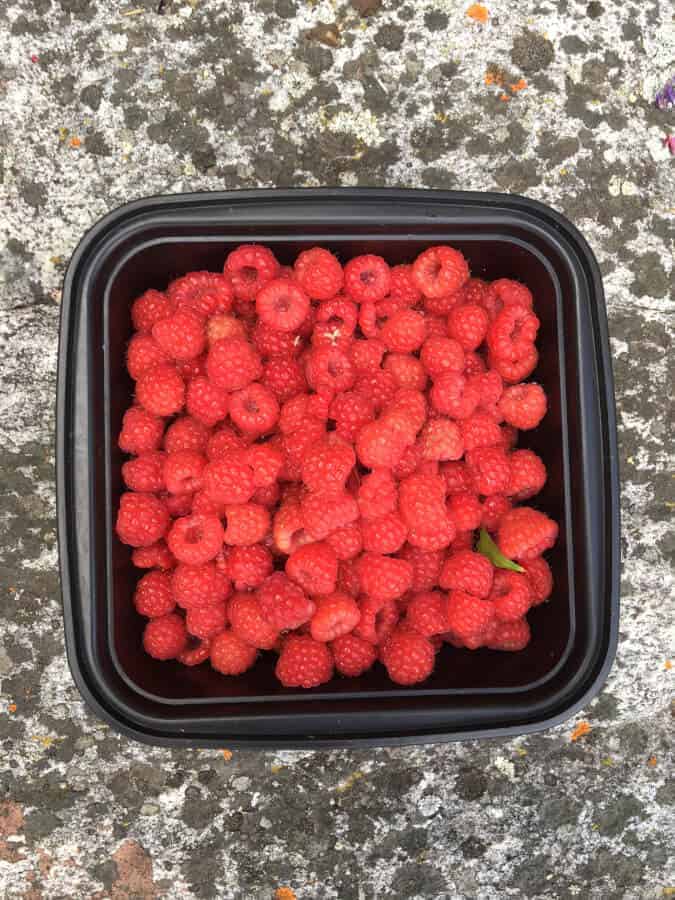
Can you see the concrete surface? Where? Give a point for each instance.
(104, 102)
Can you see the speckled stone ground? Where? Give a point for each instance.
(104, 102)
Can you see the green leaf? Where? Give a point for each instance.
(489, 549)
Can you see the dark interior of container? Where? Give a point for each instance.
(554, 624)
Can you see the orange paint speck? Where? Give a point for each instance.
(227, 755)
(581, 729)
(12, 707)
(75, 142)
(518, 86)
(505, 98)
(284, 893)
(651, 761)
(668, 665)
(478, 13)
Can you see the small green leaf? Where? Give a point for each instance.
(489, 549)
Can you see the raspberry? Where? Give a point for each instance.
(191, 368)
(509, 436)
(265, 461)
(282, 304)
(284, 603)
(467, 571)
(350, 412)
(408, 657)
(348, 577)
(250, 267)
(440, 271)
(380, 445)
(407, 370)
(195, 539)
(404, 331)
(288, 528)
(480, 430)
(439, 308)
(161, 390)
(205, 401)
(409, 462)
(378, 386)
(230, 655)
(335, 323)
(453, 395)
(469, 618)
(523, 405)
(267, 496)
(229, 479)
(295, 445)
(183, 471)
(329, 369)
(149, 308)
(367, 278)
(165, 637)
(304, 662)
(468, 324)
(377, 494)
(142, 520)
(366, 356)
(518, 370)
(270, 342)
(512, 293)
(323, 513)
(384, 578)
(465, 510)
(326, 466)
(441, 354)
(512, 333)
(196, 652)
(254, 409)
(249, 566)
(442, 440)
(378, 619)
(224, 326)
(186, 433)
(336, 615)
(438, 531)
(426, 613)
(403, 288)
(540, 577)
(511, 595)
(494, 508)
(206, 622)
(524, 533)
(199, 585)
(143, 353)
(294, 414)
(426, 565)
(202, 505)
(456, 477)
(221, 444)
(463, 540)
(145, 472)
(177, 504)
(250, 623)
(181, 335)
(232, 364)
(156, 556)
(510, 636)
(153, 596)
(352, 655)
(141, 431)
(490, 470)
(528, 475)
(420, 499)
(473, 365)
(346, 541)
(204, 293)
(384, 535)
(319, 273)
(313, 567)
(285, 377)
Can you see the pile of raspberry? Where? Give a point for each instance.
(315, 451)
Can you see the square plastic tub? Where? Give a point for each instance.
(470, 694)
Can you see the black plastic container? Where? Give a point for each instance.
(471, 694)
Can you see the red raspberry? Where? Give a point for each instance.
(366, 356)
(285, 377)
(378, 386)
(468, 324)
(377, 494)
(346, 541)
(204, 293)
(205, 401)
(523, 405)
(161, 390)
(509, 436)
(335, 323)
(254, 409)
(196, 539)
(196, 652)
(145, 472)
(246, 524)
(183, 472)
(403, 288)
(457, 479)
(329, 369)
(480, 430)
(143, 353)
(348, 577)
(270, 342)
(528, 475)
(323, 513)
(525, 533)
(467, 571)
(267, 496)
(232, 364)
(408, 657)
(463, 540)
(439, 308)
(142, 519)
(250, 623)
(494, 508)
(250, 267)
(384, 535)
(426, 566)
(177, 504)
(440, 271)
(453, 395)
(230, 655)
(336, 615)
(351, 411)
(515, 371)
(407, 370)
(229, 479)
(282, 304)
(206, 622)
(284, 603)
(420, 498)
(295, 445)
(438, 532)
(442, 440)
(469, 618)
(326, 466)
(141, 431)
(202, 505)
(490, 470)
(380, 444)
(319, 273)
(441, 354)
(511, 595)
(221, 444)
(512, 293)
(191, 368)
(465, 510)
(297, 410)
(384, 578)
(313, 567)
(265, 461)
(199, 585)
(224, 326)
(378, 619)
(367, 278)
(473, 365)
(165, 637)
(304, 662)
(186, 433)
(153, 596)
(181, 335)
(149, 308)
(156, 556)
(249, 566)
(426, 613)
(404, 331)
(540, 577)
(353, 655)
(510, 636)
(512, 333)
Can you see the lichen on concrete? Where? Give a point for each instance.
(101, 103)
